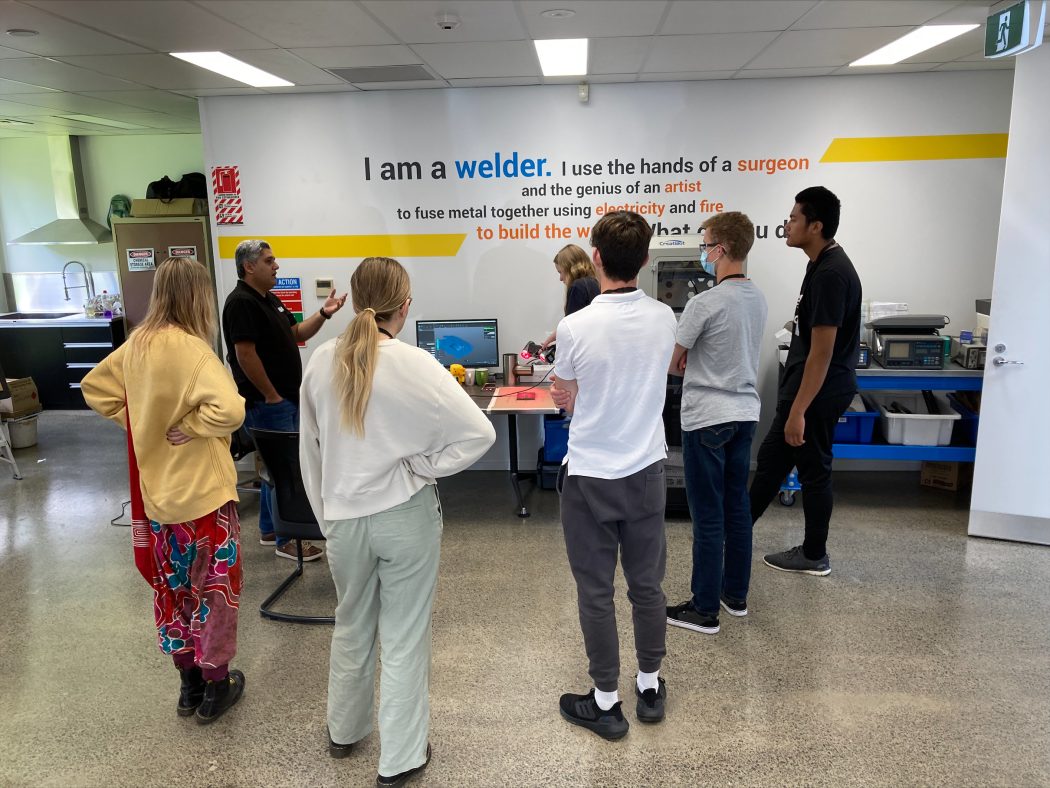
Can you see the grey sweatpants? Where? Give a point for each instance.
(603, 517)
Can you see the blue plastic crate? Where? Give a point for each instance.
(855, 427)
(555, 439)
(965, 430)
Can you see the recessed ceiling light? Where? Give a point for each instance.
(558, 13)
(913, 43)
(21, 32)
(562, 57)
(116, 124)
(235, 69)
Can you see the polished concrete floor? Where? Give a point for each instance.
(924, 659)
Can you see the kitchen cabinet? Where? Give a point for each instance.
(57, 354)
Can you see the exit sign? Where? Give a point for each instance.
(1013, 28)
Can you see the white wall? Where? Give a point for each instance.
(919, 231)
(112, 165)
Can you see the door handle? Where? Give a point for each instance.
(999, 361)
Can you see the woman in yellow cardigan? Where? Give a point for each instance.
(176, 400)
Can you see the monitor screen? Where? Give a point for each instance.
(472, 343)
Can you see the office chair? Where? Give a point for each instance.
(6, 453)
(292, 516)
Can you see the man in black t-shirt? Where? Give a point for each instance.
(818, 381)
(262, 349)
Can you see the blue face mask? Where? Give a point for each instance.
(708, 267)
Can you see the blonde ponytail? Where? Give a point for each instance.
(379, 287)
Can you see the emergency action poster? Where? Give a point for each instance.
(289, 292)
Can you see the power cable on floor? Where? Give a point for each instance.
(123, 512)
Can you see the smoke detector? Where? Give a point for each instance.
(447, 21)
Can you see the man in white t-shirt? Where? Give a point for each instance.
(719, 339)
(611, 374)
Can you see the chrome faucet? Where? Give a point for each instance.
(89, 286)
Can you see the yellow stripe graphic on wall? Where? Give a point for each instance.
(941, 146)
(310, 246)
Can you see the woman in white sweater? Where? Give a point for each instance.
(379, 422)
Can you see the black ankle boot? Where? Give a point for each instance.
(219, 696)
(192, 693)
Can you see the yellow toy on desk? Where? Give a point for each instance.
(458, 372)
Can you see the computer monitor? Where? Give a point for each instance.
(472, 343)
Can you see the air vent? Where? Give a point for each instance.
(382, 74)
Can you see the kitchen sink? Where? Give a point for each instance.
(35, 315)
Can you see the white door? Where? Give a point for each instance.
(1011, 488)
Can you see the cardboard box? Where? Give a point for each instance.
(947, 475)
(182, 206)
(24, 400)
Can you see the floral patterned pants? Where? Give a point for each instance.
(196, 568)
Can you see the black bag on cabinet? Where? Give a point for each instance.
(164, 190)
(192, 184)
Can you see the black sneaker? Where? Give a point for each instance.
(734, 607)
(794, 560)
(404, 777)
(191, 694)
(220, 696)
(686, 617)
(650, 706)
(583, 710)
(338, 750)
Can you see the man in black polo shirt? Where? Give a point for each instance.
(818, 382)
(262, 349)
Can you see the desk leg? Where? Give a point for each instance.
(515, 477)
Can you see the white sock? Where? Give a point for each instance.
(648, 681)
(606, 700)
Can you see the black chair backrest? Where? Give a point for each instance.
(280, 453)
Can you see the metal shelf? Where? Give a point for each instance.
(885, 451)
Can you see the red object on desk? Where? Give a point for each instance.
(526, 395)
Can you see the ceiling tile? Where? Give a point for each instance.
(8, 52)
(58, 36)
(304, 23)
(685, 76)
(61, 76)
(75, 102)
(286, 65)
(155, 100)
(815, 48)
(480, 20)
(11, 107)
(618, 55)
(1002, 64)
(872, 13)
(696, 17)
(241, 91)
(764, 73)
(158, 71)
(358, 57)
(12, 86)
(593, 18)
(705, 53)
(968, 13)
(607, 79)
(493, 82)
(481, 59)
(162, 25)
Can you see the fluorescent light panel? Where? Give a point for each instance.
(926, 37)
(117, 124)
(235, 69)
(562, 57)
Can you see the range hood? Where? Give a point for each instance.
(73, 226)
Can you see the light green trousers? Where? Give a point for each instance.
(385, 569)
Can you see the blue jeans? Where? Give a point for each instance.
(717, 460)
(284, 416)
